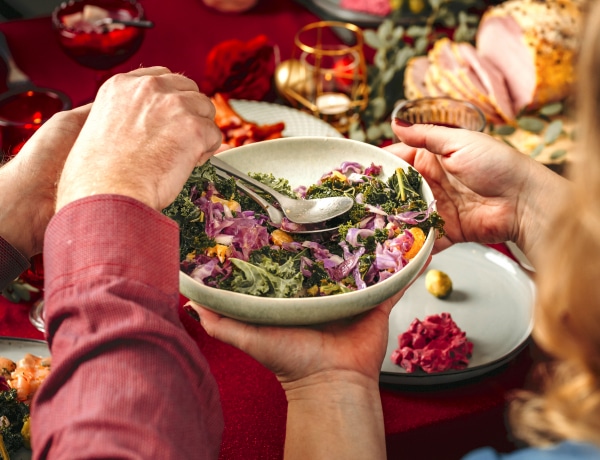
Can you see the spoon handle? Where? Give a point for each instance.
(275, 215)
(220, 164)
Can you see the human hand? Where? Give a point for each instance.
(354, 346)
(486, 191)
(145, 133)
(330, 375)
(28, 181)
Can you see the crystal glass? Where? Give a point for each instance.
(442, 111)
(326, 77)
(100, 34)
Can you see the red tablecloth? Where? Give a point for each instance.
(425, 423)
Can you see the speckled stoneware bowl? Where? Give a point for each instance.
(303, 160)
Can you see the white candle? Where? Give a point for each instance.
(333, 103)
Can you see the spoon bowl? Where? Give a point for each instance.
(297, 211)
(276, 217)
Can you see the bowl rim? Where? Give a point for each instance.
(309, 310)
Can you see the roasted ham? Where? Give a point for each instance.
(523, 59)
(533, 44)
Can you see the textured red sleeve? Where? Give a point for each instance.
(12, 263)
(127, 380)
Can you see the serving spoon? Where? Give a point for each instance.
(297, 211)
(275, 215)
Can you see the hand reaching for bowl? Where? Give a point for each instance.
(145, 133)
(28, 182)
(486, 191)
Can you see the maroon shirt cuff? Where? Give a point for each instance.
(111, 235)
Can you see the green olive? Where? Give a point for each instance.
(438, 283)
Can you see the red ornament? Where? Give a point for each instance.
(240, 70)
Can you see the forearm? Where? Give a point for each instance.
(336, 417)
(545, 192)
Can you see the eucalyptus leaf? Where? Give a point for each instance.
(387, 75)
(385, 31)
(397, 34)
(552, 109)
(558, 154)
(380, 59)
(417, 31)
(504, 130)
(531, 124)
(373, 132)
(378, 105)
(386, 130)
(462, 33)
(448, 19)
(421, 45)
(356, 132)
(537, 150)
(372, 39)
(402, 57)
(553, 131)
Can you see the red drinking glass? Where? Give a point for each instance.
(441, 111)
(100, 34)
(22, 113)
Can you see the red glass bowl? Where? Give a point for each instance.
(99, 47)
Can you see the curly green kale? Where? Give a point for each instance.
(406, 184)
(12, 416)
(279, 184)
(267, 279)
(188, 216)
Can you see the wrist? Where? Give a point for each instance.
(546, 192)
(326, 410)
(19, 213)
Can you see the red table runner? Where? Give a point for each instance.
(444, 422)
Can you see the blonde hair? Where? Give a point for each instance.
(567, 314)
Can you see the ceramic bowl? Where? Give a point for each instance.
(302, 161)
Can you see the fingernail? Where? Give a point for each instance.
(193, 313)
(402, 123)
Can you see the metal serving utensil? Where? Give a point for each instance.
(297, 211)
(275, 215)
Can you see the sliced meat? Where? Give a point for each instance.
(490, 77)
(458, 81)
(414, 78)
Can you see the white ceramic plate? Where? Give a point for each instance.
(492, 301)
(15, 349)
(331, 10)
(297, 123)
(303, 160)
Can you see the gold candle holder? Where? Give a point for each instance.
(324, 77)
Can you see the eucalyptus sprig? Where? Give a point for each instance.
(545, 123)
(395, 44)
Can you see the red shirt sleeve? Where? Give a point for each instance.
(12, 263)
(127, 381)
